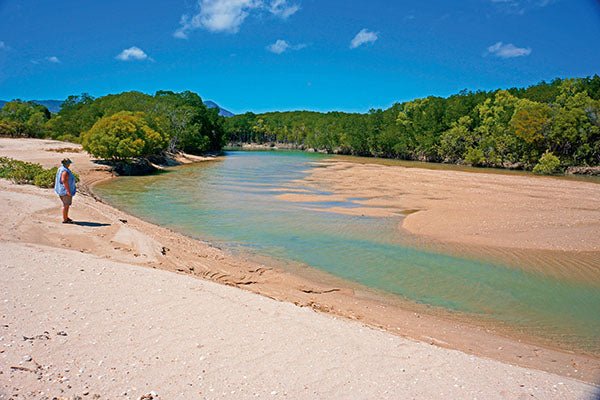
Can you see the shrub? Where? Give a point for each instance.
(8, 128)
(547, 165)
(21, 172)
(45, 179)
(69, 138)
(474, 157)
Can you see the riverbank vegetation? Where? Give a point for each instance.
(22, 173)
(517, 128)
(122, 126)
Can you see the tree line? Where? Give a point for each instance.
(122, 126)
(546, 127)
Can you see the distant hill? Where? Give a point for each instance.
(54, 106)
(222, 112)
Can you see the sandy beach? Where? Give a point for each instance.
(113, 306)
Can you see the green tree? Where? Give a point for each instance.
(455, 142)
(24, 119)
(475, 157)
(77, 114)
(192, 126)
(10, 128)
(123, 136)
(575, 130)
(497, 142)
(548, 164)
(238, 128)
(530, 121)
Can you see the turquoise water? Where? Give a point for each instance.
(233, 202)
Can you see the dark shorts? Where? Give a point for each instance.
(66, 200)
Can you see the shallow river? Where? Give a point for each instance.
(233, 203)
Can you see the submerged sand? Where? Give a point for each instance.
(98, 282)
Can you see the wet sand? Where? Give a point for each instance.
(31, 218)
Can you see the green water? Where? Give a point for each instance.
(234, 203)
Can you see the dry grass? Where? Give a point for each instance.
(65, 150)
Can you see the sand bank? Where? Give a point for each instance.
(484, 209)
(107, 238)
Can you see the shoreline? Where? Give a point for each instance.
(142, 243)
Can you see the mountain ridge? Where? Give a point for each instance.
(222, 112)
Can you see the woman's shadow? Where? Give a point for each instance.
(90, 224)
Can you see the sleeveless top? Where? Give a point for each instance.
(59, 188)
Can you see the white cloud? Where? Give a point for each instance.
(278, 47)
(508, 50)
(525, 3)
(521, 6)
(133, 53)
(362, 37)
(281, 46)
(217, 16)
(53, 59)
(282, 9)
(229, 15)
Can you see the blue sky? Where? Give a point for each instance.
(261, 55)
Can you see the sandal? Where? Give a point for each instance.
(68, 221)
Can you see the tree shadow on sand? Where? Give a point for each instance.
(90, 224)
